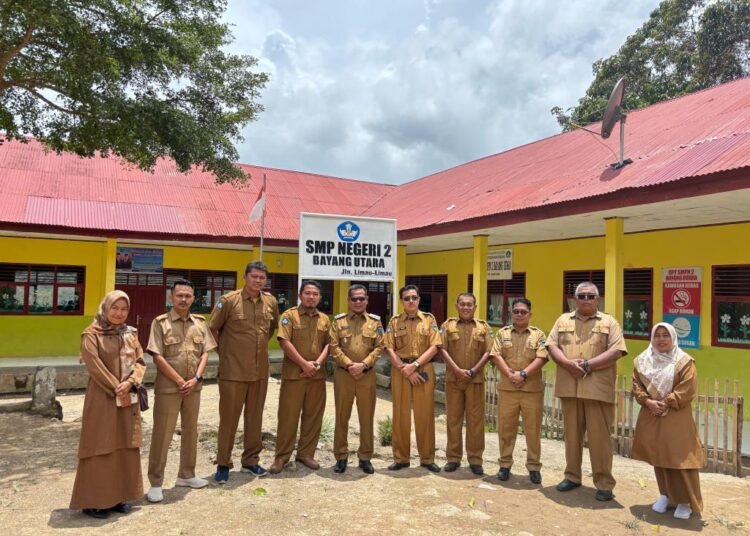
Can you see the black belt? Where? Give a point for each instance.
(409, 360)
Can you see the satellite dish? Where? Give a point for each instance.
(613, 111)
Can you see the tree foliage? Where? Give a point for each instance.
(140, 79)
(684, 46)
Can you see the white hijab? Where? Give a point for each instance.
(659, 368)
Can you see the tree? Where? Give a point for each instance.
(684, 46)
(140, 79)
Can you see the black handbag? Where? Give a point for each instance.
(142, 396)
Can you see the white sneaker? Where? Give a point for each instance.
(683, 511)
(661, 504)
(195, 482)
(154, 495)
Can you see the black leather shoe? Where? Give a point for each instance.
(366, 466)
(122, 508)
(535, 477)
(476, 468)
(567, 485)
(97, 513)
(451, 466)
(433, 467)
(503, 474)
(397, 466)
(604, 495)
(340, 466)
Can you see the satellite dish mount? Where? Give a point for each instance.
(612, 114)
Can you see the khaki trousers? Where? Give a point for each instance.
(345, 390)
(465, 400)
(595, 418)
(681, 486)
(166, 409)
(529, 405)
(305, 397)
(233, 397)
(422, 398)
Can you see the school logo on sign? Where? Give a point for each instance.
(348, 231)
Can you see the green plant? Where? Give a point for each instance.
(326, 429)
(385, 431)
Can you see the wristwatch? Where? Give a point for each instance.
(416, 362)
(365, 367)
(199, 379)
(523, 374)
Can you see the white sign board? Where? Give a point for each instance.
(500, 264)
(347, 247)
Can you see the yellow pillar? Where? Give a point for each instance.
(340, 296)
(109, 266)
(614, 238)
(400, 280)
(480, 275)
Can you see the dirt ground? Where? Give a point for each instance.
(38, 460)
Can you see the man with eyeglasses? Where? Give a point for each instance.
(304, 336)
(411, 341)
(585, 345)
(466, 349)
(519, 354)
(356, 344)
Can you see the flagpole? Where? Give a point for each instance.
(263, 218)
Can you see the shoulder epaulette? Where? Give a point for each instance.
(373, 315)
(340, 315)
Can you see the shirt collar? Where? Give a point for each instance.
(174, 316)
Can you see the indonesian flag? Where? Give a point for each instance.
(260, 205)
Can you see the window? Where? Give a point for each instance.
(500, 296)
(639, 284)
(731, 306)
(209, 286)
(41, 290)
(284, 288)
(433, 292)
(573, 278)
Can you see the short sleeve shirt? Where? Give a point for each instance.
(356, 338)
(466, 343)
(244, 325)
(410, 337)
(308, 331)
(181, 341)
(518, 349)
(580, 338)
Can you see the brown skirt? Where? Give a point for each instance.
(681, 486)
(106, 480)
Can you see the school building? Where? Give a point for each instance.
(551, 214)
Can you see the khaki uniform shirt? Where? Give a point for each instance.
(245, 325)
(308, 331)
(519, 349)
(181, 341)
(356, 339)
(466, 343)
(586, 339)
(410, 337)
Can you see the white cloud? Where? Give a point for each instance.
(432, 90)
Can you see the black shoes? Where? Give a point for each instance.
(397, 466)
(433, 467)
(98, 513)
(451, 466)
(503, 474)
(340, 466)
(535, 477)
(604, 495)
(256, 469)
(122, 508)
(476, 468)
(567, 485)
(366, 466)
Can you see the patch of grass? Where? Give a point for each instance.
(633, 524)
(326, 429)
(729, 525)
(385, 431)
(208, 435)
(489, 428)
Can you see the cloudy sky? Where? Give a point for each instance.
(393, 90)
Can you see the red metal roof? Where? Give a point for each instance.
(699, 134)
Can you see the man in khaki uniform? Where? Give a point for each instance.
(179, 342)
(519, 354)
(356, 344)
(466, 349)
(243, 322)
(586, 345)
(411, 341)
(304, 337)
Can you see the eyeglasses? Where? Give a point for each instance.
(410, 298)
(586, 296)
(358, 298)
(520, 312)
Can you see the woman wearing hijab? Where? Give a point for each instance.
(665, 383)
(109, 460)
